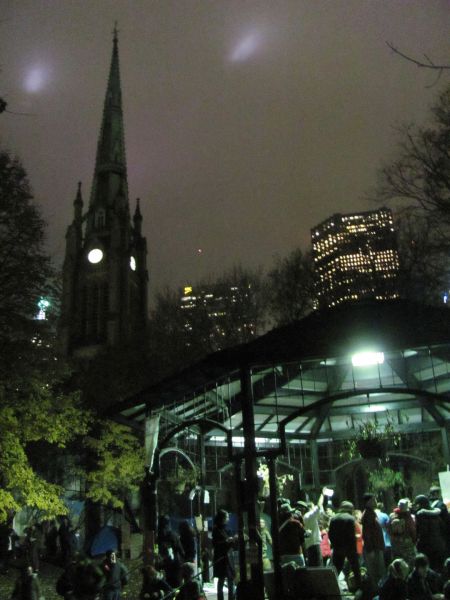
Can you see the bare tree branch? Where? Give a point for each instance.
(429, 65)
(425, 65)
(420, 175)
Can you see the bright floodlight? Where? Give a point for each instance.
(95, 256)
(366, 359)
(373, 408)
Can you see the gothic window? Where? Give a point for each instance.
(83, 312)
(100, 218)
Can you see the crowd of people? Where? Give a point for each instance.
(400, 555)
(82, 579)
(177, 559)
(85, 579)
(50, 540)
(403, 555)
(175, 571)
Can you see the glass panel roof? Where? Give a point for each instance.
(336, 389)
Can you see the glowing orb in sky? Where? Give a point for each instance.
(246, 47)
(35, 79)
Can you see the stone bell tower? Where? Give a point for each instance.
(104, 301)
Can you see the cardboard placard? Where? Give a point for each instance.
(444, 481)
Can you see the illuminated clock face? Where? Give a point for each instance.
(132, 263)
(95, 256)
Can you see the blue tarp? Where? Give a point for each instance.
(106, 539)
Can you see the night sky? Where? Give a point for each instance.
(246, 122)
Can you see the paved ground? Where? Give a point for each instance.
(49, 574)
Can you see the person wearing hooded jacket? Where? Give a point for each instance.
(430, 532)
(223, 544)
(343, 540)
(437, 501)
(395, 586)
(373, 542)
(116, 576)
(171, 551)
(423, 582)
(291, 536)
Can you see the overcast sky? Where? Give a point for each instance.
(246, 122)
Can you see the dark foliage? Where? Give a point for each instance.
(291, 287)
(24, 267)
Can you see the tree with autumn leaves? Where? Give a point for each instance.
(42, 418)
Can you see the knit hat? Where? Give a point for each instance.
(422, 501)
(346, 506)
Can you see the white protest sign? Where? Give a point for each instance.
(444, 480)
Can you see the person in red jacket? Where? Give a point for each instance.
(325, 546)
(358, 532)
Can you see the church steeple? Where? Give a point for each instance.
(105, 268)
(110, 173)
(137, 218)
(78, 205)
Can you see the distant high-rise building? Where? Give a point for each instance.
(355, 257)
(224, 313)
(104, 300)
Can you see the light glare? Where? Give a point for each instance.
(366, 359)
(35, 79)
(246, 47)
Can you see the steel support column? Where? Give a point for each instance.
(240, 518)
(445, 445)
(202, 535)
(277, 574)
(150, 516)
(315, 463)
(251, 484)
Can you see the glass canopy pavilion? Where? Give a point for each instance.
(299, 390)
(322, 375)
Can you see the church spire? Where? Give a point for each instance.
(137, 218)
(111, 158)
(78, 205)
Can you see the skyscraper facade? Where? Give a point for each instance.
(104, 300)
(355, 257)
(223, 313)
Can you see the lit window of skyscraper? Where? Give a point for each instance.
(355, 257)
(223, 313)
